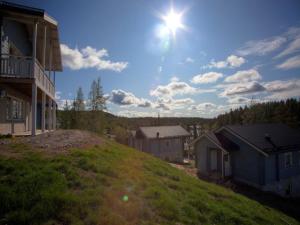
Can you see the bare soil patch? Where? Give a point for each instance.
(56, 141)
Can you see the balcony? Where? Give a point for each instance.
(21, 67)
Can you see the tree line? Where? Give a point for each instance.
(285, 111)
(85, 114)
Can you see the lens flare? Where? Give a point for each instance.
(173, 21)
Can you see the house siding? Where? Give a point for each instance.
(247, 162)
(202, 150)
(170, 149)
(18, 126)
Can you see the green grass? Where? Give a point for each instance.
(114, 184)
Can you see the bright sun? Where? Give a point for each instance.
(173, 21)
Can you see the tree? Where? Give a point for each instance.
(96, 98)
(79, 104)
(97, 105)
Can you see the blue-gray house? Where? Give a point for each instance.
(266, 156)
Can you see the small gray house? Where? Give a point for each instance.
(30, 55)
(165, 142)
(266, 156)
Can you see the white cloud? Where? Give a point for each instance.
(203, 107)
(209, 77)
(282, 89)
(235, 61)
(171, 104)
(124, 98)
(61, 103)
(293, 47)
(242, 89)
(291, 63)
(57, 95)
(261, 47)
(232, 61)
(133, 113)
(244, 76)
(238, 100)
(189, 60)
(173, 88)
(176, 87)
(174, 79)
(89, 57)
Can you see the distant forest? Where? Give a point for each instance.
(287, 112)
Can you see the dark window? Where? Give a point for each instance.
(288, 159)
(226, 157)
(14, 109)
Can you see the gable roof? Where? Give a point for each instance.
(268, 138)
(164, 131)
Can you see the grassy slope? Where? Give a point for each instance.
(92, 186)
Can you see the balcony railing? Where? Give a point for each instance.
(21, 67)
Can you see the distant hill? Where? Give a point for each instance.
(287, 112)
(112, 184)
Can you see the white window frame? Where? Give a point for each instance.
(20, 104)
(288, 154)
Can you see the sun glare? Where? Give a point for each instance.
(173, 21)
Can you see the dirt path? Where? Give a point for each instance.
(56, 141)
(186, 168)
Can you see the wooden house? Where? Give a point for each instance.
(165, 142)
(30, 55)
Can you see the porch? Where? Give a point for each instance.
(25, 69)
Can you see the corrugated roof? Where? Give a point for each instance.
(281, 136)
(164, 131)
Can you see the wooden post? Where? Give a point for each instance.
(34, 87)
(33, 108)
(50, 59)
(44, 48)
(34, 41)
(49, 114)
(43, 111)
(54, 115)
(1, 28)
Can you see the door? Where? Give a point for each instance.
(227, 166)
(213, 159)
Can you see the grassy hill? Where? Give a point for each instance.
(114, 184)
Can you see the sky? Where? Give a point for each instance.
(210, 57)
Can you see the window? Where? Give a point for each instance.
(226, 158)
(288, 159)
(14, 109)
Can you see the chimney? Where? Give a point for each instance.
(157, 135)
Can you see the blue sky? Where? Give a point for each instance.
(228, 54)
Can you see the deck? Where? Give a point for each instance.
(24, 67)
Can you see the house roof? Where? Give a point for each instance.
(28, 15)
(268, 137)
(164, 131)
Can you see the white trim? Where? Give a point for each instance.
(243, 139)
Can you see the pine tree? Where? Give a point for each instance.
(96, 98)
(79, 104)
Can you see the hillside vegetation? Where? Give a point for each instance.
(113, 184)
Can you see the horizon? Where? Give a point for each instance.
(178, 58)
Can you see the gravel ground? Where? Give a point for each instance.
(58, 140)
